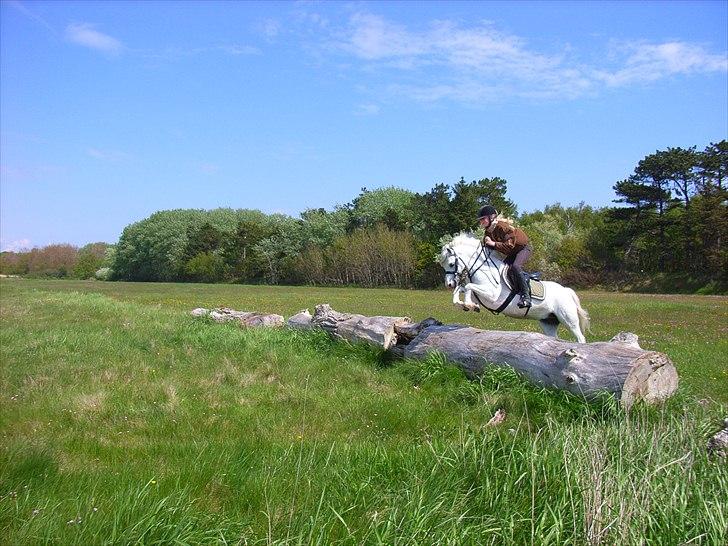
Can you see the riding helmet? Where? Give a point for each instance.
(486, 210)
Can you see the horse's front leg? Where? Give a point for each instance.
(456, 298)
(456, 295)
(468, 303)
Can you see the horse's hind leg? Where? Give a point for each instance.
(570, 319)
(550, 325)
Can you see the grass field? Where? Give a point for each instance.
(124, 420)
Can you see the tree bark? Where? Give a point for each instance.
(619, 367)
(375, 330)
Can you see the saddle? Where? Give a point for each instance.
(536, 287)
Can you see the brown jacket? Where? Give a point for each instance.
(509, 240)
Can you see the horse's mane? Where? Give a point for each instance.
(468, 239)
(465, 238)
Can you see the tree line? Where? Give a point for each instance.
(667, 231)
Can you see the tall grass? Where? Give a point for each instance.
(130, 422)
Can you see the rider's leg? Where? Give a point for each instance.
(520, 259)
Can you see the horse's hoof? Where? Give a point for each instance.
(476, 309)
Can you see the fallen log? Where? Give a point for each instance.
(245, 319)
(619, 367)
(301, 320)
(377, 330)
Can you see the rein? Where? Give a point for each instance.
(468, 272)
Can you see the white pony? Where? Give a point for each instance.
(474, 269)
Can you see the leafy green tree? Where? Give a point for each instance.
(319, 227)
(390, 206)
(713, 167)
(648, 195)
(468, 197)
(238, 248)
(207, 267)
(13, 263)
(434, 215)
(153, 249)
(202, 242)
(709, 214)
(91, 258)
(673, 168)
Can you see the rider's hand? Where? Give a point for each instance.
(489, 241)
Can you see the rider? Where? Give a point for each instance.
(507, 239)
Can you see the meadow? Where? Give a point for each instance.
(125, 420)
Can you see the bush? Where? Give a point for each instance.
(104, 274)
(205, 267)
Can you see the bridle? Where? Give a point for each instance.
(466, 272)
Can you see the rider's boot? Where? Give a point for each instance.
(524, 291)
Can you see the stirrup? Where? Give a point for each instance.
(524, 303)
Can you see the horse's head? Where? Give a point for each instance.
(466, 260)
(449, 262)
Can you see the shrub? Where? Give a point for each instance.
(205, 267)
(104, 274)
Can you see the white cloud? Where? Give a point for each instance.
(478, 63)
(371, 37)
(85, 35)
(16, 246)
(448, 61)
(650, 62)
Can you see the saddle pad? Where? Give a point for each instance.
(538, 291)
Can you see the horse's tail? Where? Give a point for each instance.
(584, 321)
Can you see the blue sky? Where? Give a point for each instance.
(110, 111)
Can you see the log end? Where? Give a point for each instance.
(652, 378)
